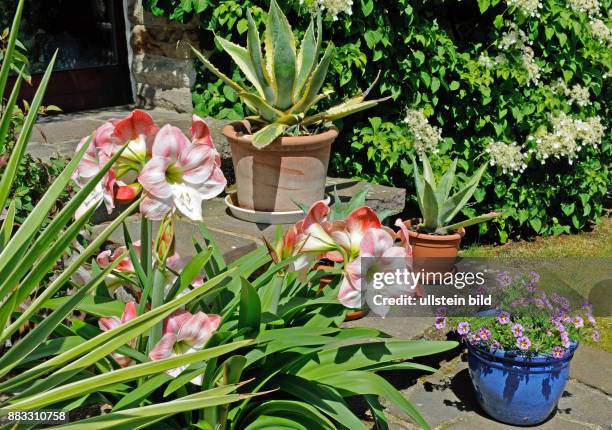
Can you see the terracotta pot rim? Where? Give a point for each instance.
(284, 142)
(435, 237)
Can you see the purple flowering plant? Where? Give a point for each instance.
(526, 321)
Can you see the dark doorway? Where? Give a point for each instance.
(91, 69)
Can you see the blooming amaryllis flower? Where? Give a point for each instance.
(179, 176)
(463, 328)
(523, 343)
(558, 352)
(517, 330)
(138, 130)
(578, 321)
(503, 317)
(440, 323)
(484, 333)
(377, 254)
(349, 233)
(184, 333)
(129, 313)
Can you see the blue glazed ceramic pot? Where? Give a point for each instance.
(515, 389)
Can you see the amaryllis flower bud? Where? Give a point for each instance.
(127, 193)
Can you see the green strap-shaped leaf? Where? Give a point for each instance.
(315, 83)
(7, 225)
(419, 184)
(323, 398)
(280, 55)
(268, 134)
(306, 60)
(294, 408)
(10, 48)
(453, 205)
(249, 315)
(360, 383)
(7, 116)
(243, 60)
(254, 48)
(428, 173)
(37, 336)
(263, 108)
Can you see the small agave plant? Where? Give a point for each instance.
(438, 207)
(287, 82)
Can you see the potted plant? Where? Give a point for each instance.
(519, 354)
(434, 239)
(281, 153)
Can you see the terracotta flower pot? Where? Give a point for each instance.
(289, 169)
(434, 253)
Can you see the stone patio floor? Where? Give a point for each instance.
(446, 398)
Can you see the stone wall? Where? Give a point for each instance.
(162, 64)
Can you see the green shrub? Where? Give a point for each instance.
(482, 72)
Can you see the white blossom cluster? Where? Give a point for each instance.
(332, 7)
(508, 156)
(568, 137)
(485, 61)
(601, 32)
(426, 137)
(590, 7)
(515, 38)
(528, 7)
(577, 94)
(530, 66)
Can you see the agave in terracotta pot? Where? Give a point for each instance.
(435, 239)
(281, 153)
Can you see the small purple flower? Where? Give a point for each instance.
(592, 320)
(565, 341)
(534, 277)
(596, 336)
(484, 333)
(440, 323)
(517, 330)
(523, 343)
(441, 311)
(503, 317)
(504, 279)
(588, 307)
(578, 321)
(559, 326)
(558, 352)
(463, 328)
(539, 303)
(495, 344)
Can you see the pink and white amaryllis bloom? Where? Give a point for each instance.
(90, 165)
(179, 176)
(377, 254)
(138, 130)
(184, 333)
(349, 233)
(106, 324)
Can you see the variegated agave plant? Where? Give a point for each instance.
(438, 206)
(287, 82)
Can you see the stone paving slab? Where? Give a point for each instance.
(446, 400)
(593, 367)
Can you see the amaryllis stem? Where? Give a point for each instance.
(146, 233)
(157, 299)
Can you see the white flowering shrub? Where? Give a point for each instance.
(512, 82)
(425, 137)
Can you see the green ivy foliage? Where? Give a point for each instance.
(429, 54)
